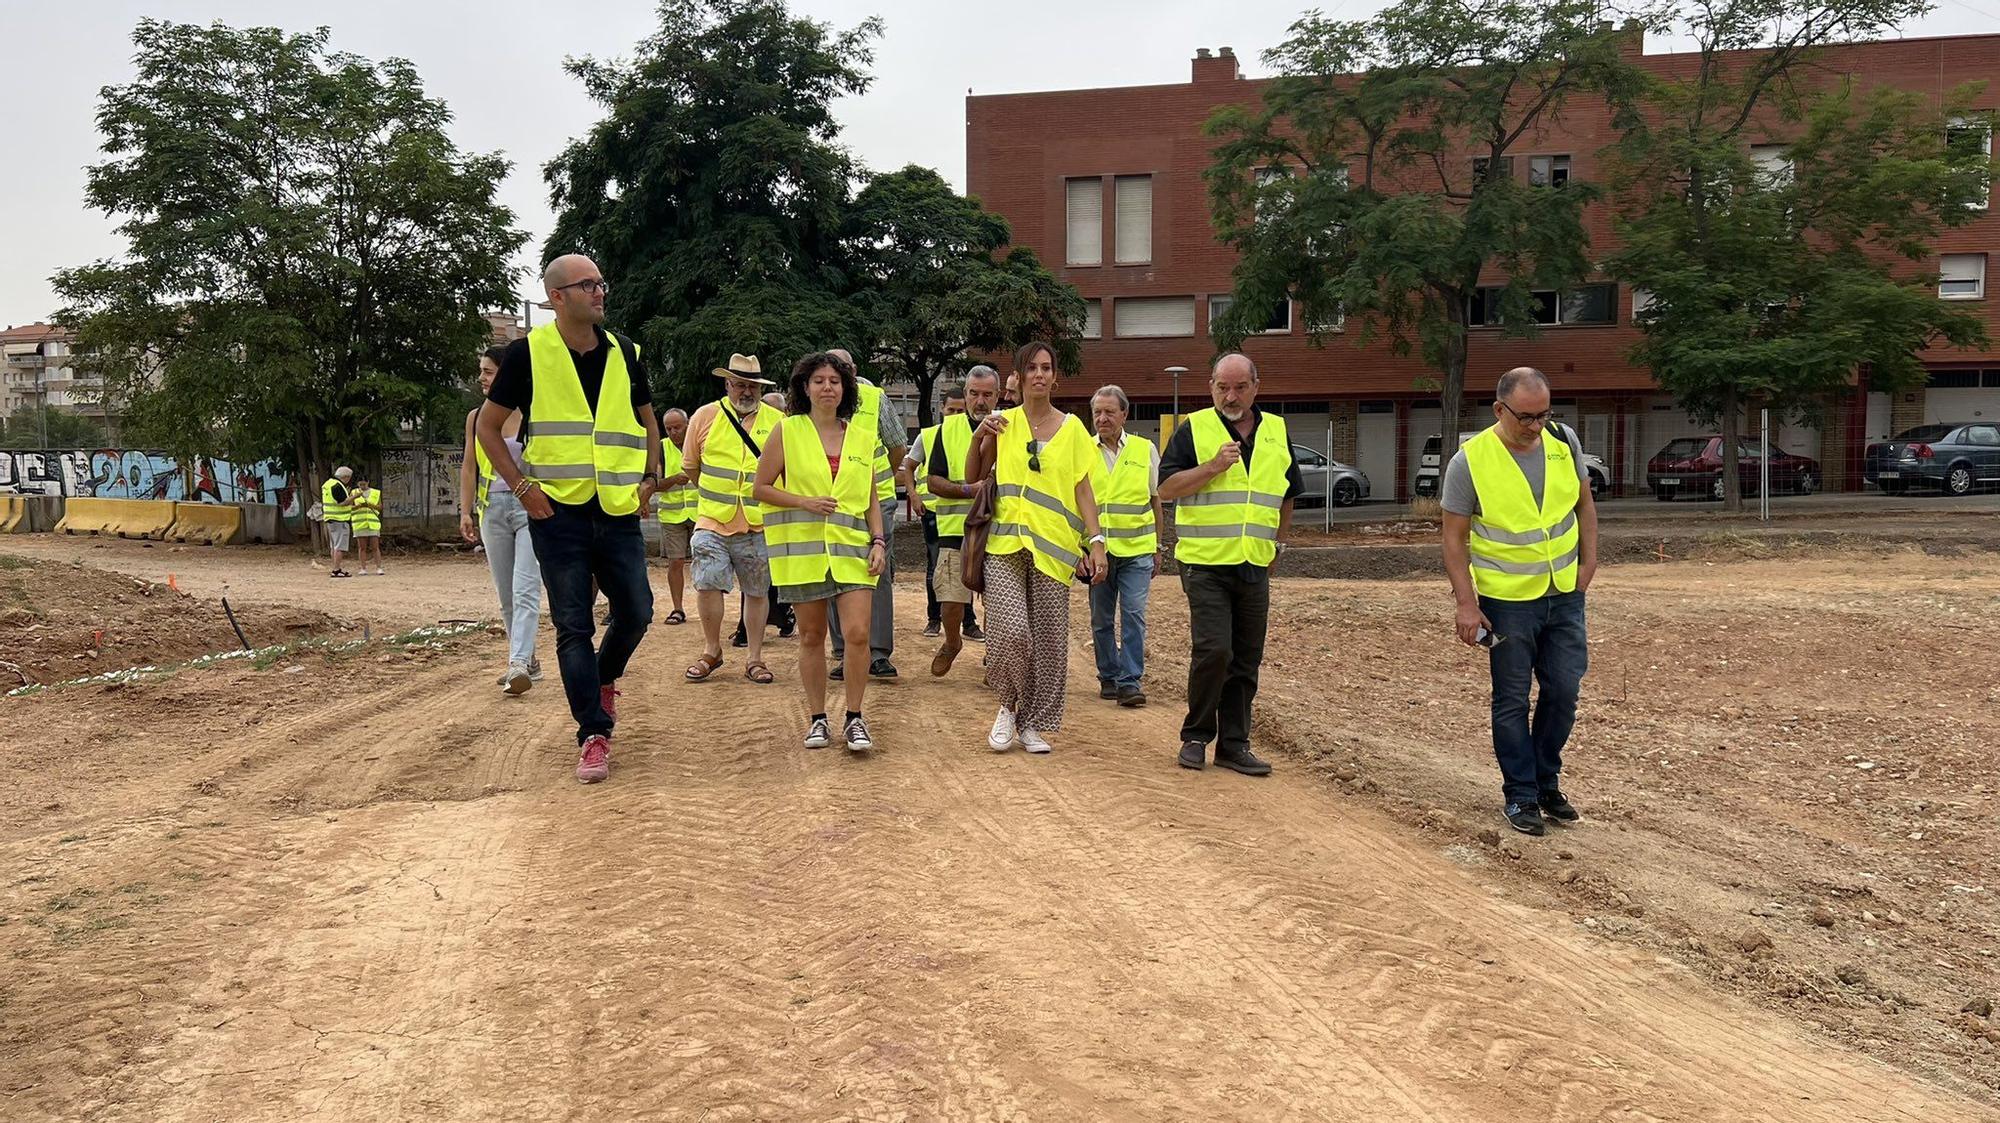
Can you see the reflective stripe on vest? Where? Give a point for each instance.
(675, 504)
(729, 469)
(1234, 518)
(805, 548)
(1028, 511)
(576, 452)
(956, 433)
(368, 512)
(1125, 501)
(1521, 551)
(920, 479)
(329, 510)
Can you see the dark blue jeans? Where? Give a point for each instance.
(1124, 592)
(576, 545)
(1543, 644)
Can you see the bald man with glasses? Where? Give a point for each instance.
(1520, 550)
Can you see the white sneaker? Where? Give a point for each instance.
(1003, 736)
(518, 679)
(1034, 742)
(535, 669)
(379, 571)
(858, 740)
(819, 736)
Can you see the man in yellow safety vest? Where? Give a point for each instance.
(1520, 549)
(1229, 473)
(586, 477)
(1128, 507)
(337, 516)
(676, 508)
(725, 438)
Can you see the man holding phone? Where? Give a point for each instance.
(1520, 550)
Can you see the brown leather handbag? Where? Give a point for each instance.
(978, 525)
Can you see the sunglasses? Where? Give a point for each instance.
(1541, 418)
(1034, 455)
(591, 286)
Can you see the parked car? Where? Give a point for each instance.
(1426, 483)
(1693, 466)
(1350, 484)
(1954, 458)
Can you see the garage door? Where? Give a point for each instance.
(1943, 407)
(1375, 447)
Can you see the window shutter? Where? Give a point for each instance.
(1133, 198)
(1085, 206)
(1772, 163)
(1142, 316)
(1093, 319)
(1963, 275)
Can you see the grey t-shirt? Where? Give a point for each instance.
(889, 424)
(1461, 498)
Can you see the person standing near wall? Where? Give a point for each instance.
(367, 515)
(488, 510)
(337, 516)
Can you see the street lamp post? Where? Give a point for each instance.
(1177, 372)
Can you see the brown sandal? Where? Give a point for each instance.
(758, 673)
(703, 667)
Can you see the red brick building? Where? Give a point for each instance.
(1106, 185)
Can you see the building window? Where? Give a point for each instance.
(1977, 136)
(1953, 380)
(1587, 304)
(1642, 299)
(1132, 198)
(1084, 204)
(1774, 168)
(1548, 171)
(1279, 322)
(1093, 319)
(1143, 317)
(1333, 323)
(1480, 163)
(1963, 276)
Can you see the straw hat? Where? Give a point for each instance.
(744, 367)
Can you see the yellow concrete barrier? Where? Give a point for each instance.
(13, 512)
(125, 518)
(210, 524)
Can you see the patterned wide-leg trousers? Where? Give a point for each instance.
(1027, 640)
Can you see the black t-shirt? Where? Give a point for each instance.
(940, 465)
(1179, 456)
(514, 386)
(339, 492)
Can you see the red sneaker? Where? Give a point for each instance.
(595, 762)
(606, 696)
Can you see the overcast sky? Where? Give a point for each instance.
(500, 72)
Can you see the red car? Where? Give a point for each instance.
(1693, 466)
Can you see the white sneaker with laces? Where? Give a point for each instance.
(858, 739)
(1003, 736)
(819, 736)
(1034, 742)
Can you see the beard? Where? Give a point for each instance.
(1229, 413)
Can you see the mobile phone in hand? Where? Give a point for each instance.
(1488, 638)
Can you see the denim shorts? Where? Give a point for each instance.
(718, 557)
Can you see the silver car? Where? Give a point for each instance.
(1350, 485)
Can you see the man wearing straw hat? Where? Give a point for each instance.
(724, 439)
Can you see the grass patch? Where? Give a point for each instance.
(10, 561)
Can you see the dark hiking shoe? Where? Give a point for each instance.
(1556, 807)
(1241, 760)
(1194, 755)
(1525, 817)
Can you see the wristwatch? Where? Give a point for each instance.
(1097, 540)
(650, 477)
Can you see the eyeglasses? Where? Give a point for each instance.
(1541, 418)
(1034, 455)
(591, 286)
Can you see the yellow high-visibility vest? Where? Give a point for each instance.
(484, 470)
(920, 479)
(868, 408)
(956, 433)
(368, 511)
(1125, 500)
(805, 548)
(1521, 551)
(330, 511)
(675, 504)
(1234, 517)
(1035, 511)
(575, 452)
(729, 468)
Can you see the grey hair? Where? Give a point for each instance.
(1116, 394)
(983, 371)
(673, 411)
(1514, 379)
(1247, 361)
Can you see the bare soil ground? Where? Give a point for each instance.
(369, 888)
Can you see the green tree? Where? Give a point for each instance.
(309, 251)
(1376, 184)
(712, 193)
(931, 291)
(1780, 220)
(47, 427)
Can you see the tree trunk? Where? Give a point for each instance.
(1732, 428)
(926, 381)
(312, 470)
(1451, 402)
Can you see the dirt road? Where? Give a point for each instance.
(369, 889)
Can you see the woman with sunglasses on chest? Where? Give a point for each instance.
(1045, 532)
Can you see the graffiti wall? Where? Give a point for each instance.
(111, 473)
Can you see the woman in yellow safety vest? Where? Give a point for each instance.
(488, 510)
(823, 529)
(1044, 532)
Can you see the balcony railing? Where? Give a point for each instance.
(27, 360)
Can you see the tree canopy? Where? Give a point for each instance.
(309, 252)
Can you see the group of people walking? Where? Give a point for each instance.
(788, 504)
